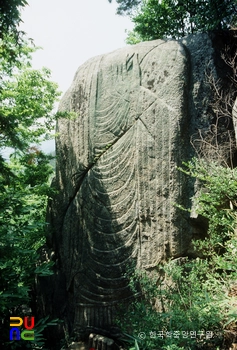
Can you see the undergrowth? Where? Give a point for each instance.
(191, 303)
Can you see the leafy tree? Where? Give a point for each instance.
(126, 6)
(26, 95)
(10, 16)
(174, 18)
(12, 42)
(27, 98)
(22, 232)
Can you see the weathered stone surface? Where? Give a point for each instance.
(117, 176)
(99, 342)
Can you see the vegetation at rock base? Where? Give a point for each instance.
(191, 303)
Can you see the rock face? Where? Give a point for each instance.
(117, 176)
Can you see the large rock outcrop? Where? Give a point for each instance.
(117, 176)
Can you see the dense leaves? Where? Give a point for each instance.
(23, 200)
(174, 18)
(12, 41)
(27, 98)
(22, 227)
(10, 15)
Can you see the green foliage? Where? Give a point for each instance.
(186, 295)
(40, 326)
(27, 98)
(175, 19)
(133, 37)
(216, 202)
(10, 15)
(126, 6)
(179, 304)
(22, 231)
(14, 56)
(12, 42)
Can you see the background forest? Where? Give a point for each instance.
(197, 294)
(27, 98)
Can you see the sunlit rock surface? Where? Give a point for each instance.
(117, 179)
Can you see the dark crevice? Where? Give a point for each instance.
(82, 177)
(138, 118)
(129, 62)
